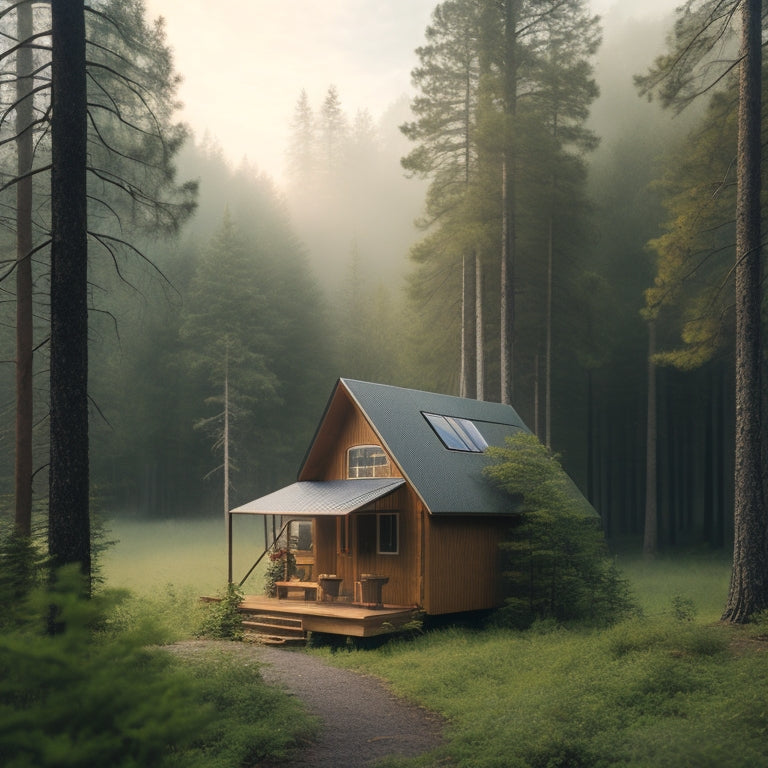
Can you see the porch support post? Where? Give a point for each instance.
(229, 547)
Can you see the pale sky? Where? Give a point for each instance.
(245, 62)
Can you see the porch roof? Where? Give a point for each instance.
(311, 498)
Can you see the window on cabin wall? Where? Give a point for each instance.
(367, 461)
(388, 542)
(378, 533)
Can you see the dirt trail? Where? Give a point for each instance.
(362, 721)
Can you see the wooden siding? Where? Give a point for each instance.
(344, 427)
(462, 563)
(444, 565)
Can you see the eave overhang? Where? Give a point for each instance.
(319, 498)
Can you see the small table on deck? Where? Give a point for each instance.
(368, 590)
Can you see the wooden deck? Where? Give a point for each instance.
(339, 618)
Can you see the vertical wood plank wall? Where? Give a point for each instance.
(350, 428)
(444, 564)
(462, 563)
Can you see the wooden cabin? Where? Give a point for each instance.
(391, 501)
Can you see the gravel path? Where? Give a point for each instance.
(362, 721)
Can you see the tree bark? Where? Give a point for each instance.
(748, 591)
(468, 384)
(651, 528)
(24, 335)
(69, 523)
(508, 224)
(226, 440)
(548, 346)
(479, 342)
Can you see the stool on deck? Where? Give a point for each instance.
(368, 590)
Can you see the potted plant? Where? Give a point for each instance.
(281, 566)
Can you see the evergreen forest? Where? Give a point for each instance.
(526, 227)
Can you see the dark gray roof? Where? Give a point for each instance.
(316, 498)
(448, 481)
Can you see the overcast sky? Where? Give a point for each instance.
(245, 62)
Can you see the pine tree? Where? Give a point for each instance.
(679, 77)
(227, 328)
(504, 92)
(69, 492)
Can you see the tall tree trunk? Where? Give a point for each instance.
(748, 591)
(69, 523)
(467, 383)
(651, 530)
(548, 348)
(479, 342)
(508, 230)
(226, 437)
(24, 337)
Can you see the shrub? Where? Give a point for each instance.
(556, 563)
(222, 619)
(281, 566)
(21, 569)
(100, 692)
(79, 697)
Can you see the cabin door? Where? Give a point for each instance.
(366, 544)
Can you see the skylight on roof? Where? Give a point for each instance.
(457, 434)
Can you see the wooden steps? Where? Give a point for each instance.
(273, 629)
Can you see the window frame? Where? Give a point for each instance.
(456, 433)
(396, 517)
(386, 467)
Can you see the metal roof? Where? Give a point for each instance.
(448, 481)
(317, 498)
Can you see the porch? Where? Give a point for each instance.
(279, 620)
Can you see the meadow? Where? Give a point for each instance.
(669, 687)
(148, 556)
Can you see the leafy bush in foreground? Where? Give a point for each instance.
(556, 562)
(100, 693)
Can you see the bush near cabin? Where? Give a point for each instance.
(555, 561)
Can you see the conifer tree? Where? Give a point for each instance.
(679, 77)
(68, 501)
(131, 141)
(504, 90)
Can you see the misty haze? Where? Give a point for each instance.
(225, 228)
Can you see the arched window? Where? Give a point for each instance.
(367, 461)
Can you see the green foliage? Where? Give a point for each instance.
(21, 569)
(683, 608)
(281, 566)
(102, 693)
(556, 564)
(647, 694)
(256, 724)
(222, 620)
(77, 698)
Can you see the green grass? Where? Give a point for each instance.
(702, 579)
(104, 691)
(148, 555)
(668, 690)
(652, 692)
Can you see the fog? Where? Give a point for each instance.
(242, 92)
(243, 100)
